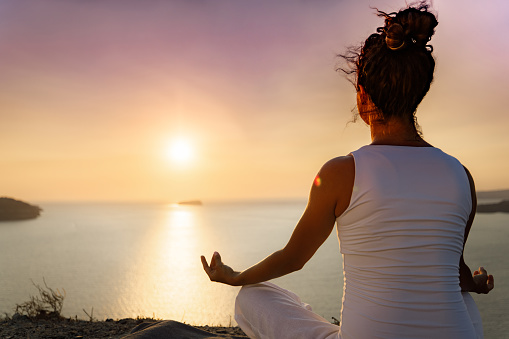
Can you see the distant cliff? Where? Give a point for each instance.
(500, 194)
(502, 206)
(11, 209)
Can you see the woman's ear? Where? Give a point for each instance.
(368, 112)
(362, 96)
(362, 99)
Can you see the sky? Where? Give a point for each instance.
(94, 94)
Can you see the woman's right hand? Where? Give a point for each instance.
(484, 283)
(219, 272)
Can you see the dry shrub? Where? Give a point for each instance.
(48, 303)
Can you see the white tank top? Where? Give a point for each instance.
(401, 239)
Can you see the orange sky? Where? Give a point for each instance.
(93, 92)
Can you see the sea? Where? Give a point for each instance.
(128, 260)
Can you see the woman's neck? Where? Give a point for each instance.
(396, 132)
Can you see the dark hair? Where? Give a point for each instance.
(395, 66)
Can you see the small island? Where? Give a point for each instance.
(191, 202)
(12, 209)
(502, 206)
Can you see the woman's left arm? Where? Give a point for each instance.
(480, 281)
(329, 197)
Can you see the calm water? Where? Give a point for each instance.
(128, 260)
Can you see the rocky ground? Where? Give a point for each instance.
(60, 328)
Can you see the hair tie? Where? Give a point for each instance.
(395, 36)
(390, 43)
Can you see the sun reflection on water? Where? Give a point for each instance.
(180, 217)
(169, 277)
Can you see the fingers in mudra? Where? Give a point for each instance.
(213, 265)
(216, 267)
(484, 281)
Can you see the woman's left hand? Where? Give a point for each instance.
(219, 272)
(484, 283)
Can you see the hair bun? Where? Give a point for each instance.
(395, 36)
(419, 25)
(411, 26)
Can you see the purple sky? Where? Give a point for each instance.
(92, 91)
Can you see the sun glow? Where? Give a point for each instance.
(180, 151)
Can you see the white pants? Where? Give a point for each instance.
(267, 311)
(475, 316)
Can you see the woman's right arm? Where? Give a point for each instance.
(480, 281)
(329, 197)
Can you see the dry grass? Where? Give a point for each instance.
(47, 304)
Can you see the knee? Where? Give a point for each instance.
(245, 297)
(250, 296)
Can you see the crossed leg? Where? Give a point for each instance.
(267, 311)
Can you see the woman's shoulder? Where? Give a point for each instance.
(337, 176)
(338, 172)
(338, 164)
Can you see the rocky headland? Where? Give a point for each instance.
(12, 209)
(502, 207)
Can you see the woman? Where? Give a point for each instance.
(403, 210)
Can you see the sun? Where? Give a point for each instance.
(180, 151)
